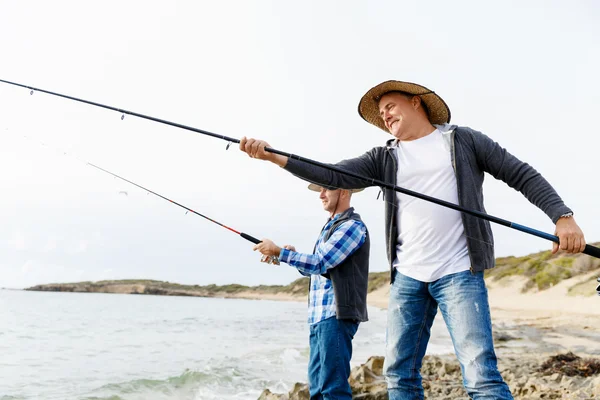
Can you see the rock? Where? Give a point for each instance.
(448, 369)
(503, 337)
(595, 385)
(508, 376)
(362, 375)
(522, 381)
(267, 395)
(566, 382)
(375, 364)
(367, 381)
(299, 392)
(379, 393)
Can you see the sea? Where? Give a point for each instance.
(95, 346)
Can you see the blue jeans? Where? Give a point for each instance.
(329, 363)
(463, 301)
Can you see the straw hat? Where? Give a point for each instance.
(317, 188)
(368, 108)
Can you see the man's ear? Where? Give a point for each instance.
(416, 102)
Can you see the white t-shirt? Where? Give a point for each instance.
(431, 238)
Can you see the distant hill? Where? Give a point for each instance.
(298, 288)
(542, 270)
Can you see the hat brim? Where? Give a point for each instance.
(368, 107)
(317, 188)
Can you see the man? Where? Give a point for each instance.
(437, 255)
(339, 273)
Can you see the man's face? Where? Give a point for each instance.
(398, 113)
(329, 198)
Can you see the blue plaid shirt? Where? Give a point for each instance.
(344, 241)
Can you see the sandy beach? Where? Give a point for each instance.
(549, 321)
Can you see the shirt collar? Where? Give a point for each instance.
(444, 128)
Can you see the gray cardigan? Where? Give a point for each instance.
(473, 153)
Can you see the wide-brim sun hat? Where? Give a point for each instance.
(368, 107)
(317, 188)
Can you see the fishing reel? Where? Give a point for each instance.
(272, 260)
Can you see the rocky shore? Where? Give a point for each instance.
(547, 343)
(538, 359)
(529, 375)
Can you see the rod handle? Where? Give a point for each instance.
(589, 250)
(250, 238)
(592, 251)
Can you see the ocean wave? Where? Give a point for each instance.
(211, 384)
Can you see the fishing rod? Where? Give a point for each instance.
(250, 238)
(267, 259)
(589, 250)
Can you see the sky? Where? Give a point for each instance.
(291, 73)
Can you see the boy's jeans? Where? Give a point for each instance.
(329, 363)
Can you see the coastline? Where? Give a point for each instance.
(573, 317)
(529, 327)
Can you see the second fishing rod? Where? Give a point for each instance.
(250, 238)
(589, 249)
(269, 260)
